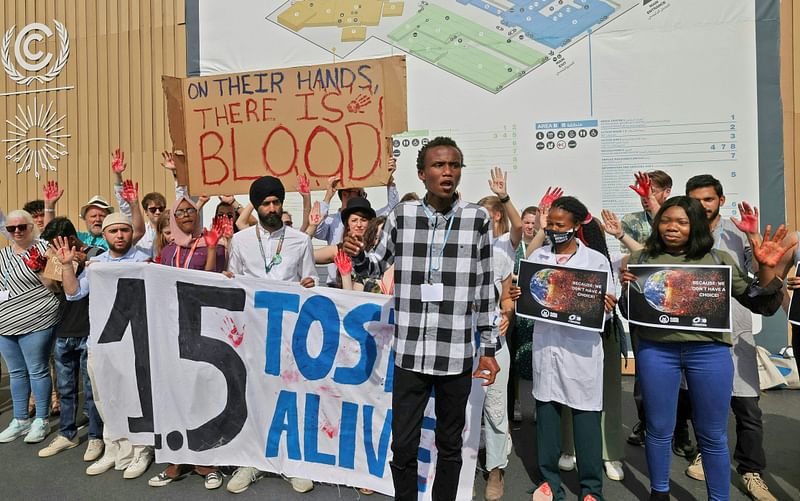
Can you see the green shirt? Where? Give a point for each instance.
(739, 284)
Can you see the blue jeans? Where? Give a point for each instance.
(70, 356)
(708, 368)
(27, 357)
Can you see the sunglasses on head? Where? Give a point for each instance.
(153, 210)
(21, 227)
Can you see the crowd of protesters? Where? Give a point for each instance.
(683, 376)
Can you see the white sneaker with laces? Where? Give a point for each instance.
(102, 465)
(566, 462)
(213, 480)
(614, 470)
(139, 465)
(40, 428)
(94, 449)
(58, 444)
(16, 428)
(242, 478)
(301, 484)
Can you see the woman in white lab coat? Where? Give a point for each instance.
(568, 362)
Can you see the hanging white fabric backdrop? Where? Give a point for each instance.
(251, 372)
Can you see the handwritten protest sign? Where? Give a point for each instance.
(320, 121)
(253, 372)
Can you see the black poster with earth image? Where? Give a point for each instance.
(562, 295)
(680, 297)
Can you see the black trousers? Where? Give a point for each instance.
(749, 453)
(410, 394)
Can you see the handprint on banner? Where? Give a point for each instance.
(232, 331)
(358, 104)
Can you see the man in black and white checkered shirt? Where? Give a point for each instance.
(442, 252)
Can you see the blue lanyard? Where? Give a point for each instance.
(432, 217)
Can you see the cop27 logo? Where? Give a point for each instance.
(31, 58)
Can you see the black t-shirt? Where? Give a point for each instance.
(75, 314)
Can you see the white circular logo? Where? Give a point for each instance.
(28, 55)
(545, 313)
(664, 319)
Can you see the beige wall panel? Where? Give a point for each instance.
(118, 50)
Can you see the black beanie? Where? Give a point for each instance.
(264, 187)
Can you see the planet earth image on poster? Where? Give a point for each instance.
(543, 288)
(660, 291)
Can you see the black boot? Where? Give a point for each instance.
(659, 496)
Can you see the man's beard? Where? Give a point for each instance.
(271, 220)
(713, 215)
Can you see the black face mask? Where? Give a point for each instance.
(559, 237)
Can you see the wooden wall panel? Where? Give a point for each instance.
(118, 51)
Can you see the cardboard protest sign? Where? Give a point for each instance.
(794, 305)
(320, 121)
(562, 295)
(685, 297)
(54, 268)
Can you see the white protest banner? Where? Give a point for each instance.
(249, 372)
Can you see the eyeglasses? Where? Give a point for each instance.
(153, 210)
(13, 228)
(191, 211)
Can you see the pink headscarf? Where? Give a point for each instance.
(184, 239)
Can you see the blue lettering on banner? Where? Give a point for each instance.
(354, 327)
(284, 420)
(311, 436)
(275, 303)
(347, 435)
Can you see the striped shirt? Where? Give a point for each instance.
(453, 249)
(31, 306)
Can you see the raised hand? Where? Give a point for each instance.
(64, 252)
(227, 228)
(498, 182)
(611, 224)
(353, 245)
(118, 164)
(343, 262)
(227, 199)
(34, 260)
(749, 221)
(169, 160)
(211, 236)
(51, 192)
(333, 184)
(770, 250)
(642, 186)
(314, 217)
(202, 200)
(130, 191)
(550, 196)
(302, 185)
(392, 168)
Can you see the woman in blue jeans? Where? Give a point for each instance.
(682, 236)
(28, 312)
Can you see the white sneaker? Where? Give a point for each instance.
(102, 465)
(566, 462)
(60, 443)
(40, 428)
(16, 428)
(213, 480)
(139, 465)
(242, 478)
(614, 470)
(301, 484)
(94, 449)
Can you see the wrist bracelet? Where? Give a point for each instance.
(622, 235)
(505, 199)
(49, 210)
